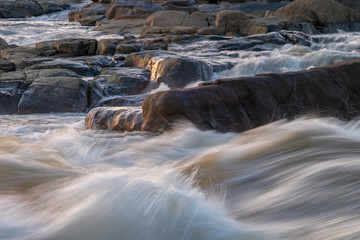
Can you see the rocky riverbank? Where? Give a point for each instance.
(179, 43)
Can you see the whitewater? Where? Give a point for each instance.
(285, 180)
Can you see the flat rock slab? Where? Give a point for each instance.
(114, 118)
(235, 105)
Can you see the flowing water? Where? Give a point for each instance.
(286, 180)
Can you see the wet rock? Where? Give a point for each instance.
(76, 46)
(229, 20)
(166, 18)
(6, 65)
(54, 94)
(3, 44)
(114, 118)
(178, 72)
(17, 53)
(122, 9)
(133, 26)
(318, 12)
(248, 102)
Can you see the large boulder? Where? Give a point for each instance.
(247, 102)
(318, 12)
(114, 118)
(54, 94)
(229, 20)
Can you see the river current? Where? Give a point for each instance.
(285, 180)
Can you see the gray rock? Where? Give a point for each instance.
(6, 65)
(54, 94)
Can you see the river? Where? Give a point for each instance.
(286, 180)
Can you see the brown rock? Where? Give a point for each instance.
(318, 12)
(248, 102)
(229, 20)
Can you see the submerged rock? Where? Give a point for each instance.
(247, 102)
(114, 118)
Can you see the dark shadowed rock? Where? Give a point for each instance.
(114, 118)
(54, 94)
(6, 65)
(76, 46)
(244, 103)
(88, 15)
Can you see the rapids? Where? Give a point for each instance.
(286, 180)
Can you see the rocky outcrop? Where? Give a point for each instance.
(327, 15)
(114, 118)
(244, 103)
(133, 26)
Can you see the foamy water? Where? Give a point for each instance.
(296, 180)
